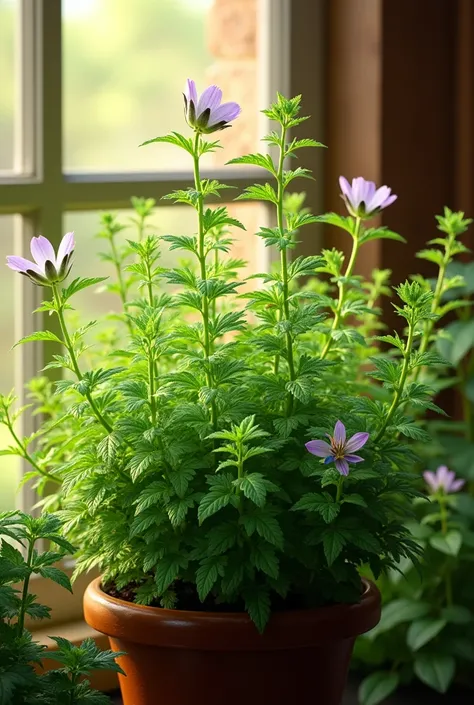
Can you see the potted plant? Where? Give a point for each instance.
(234, 466)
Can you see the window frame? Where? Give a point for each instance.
(40, 191)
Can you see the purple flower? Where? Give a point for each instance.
(363, 199)
(443, 479)
(205, 113)
(340, 450)
(47, 268)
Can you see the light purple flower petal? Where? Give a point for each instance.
(319, 448)
(450, 478)
(357, 188)
(339, 433)
(190, 91)
(431, 480)
(356, 442)
(370, 190)
(353, 458)
(342, 466)
(345, 187)
(20, 264)
(442, 475)
(65, 248)
(42, 251)
(224, 113)
(389, 201)
(381, 195)
(210, 98)
(457, 485)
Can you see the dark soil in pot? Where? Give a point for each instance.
(188, 599)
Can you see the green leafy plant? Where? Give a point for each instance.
(21, 678)
(189, 460)
(427, 624)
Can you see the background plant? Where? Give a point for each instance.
(21, 678)
(427, 624)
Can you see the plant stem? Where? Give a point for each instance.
(72, 355)
(24, 595)
(342, 289)
(214, 301)
(151, 382)
(240, 474)
(444, 516)
(285, 313)
(141, 227)
(401, 383)
(121, 283)
(27, 456)
(444, 530)
(203, 273)
(152, 364)
(339, 488)
(438, 292)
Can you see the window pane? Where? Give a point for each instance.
(8, 16)
(125, 65)
(95, 302)
(9, 465)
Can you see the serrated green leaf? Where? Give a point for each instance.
(355, 499)
(168, 570)
(79, 284)
(333, 543)
(264, 558)
(212, 502)
(262, 160)
(254, 488)
(56, 575)
(207, 574)
(44, 335)
(257, 604)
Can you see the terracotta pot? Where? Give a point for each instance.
(203, 658)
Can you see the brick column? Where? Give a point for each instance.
(232, 41)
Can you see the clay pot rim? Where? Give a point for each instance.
(228, 630)
(225, 616)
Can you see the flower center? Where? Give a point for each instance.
(338, 449)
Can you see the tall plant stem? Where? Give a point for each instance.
(120, 280)
(438, 292)
(401, 382)
(203, 273)
(73, 357)
(285, 313)
(448, 583)
(24, 594)
(339, 488)
(343, 289)
(152, 363)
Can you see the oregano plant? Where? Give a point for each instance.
(190, 461)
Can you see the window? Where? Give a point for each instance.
(96, 78)
(8, 20)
